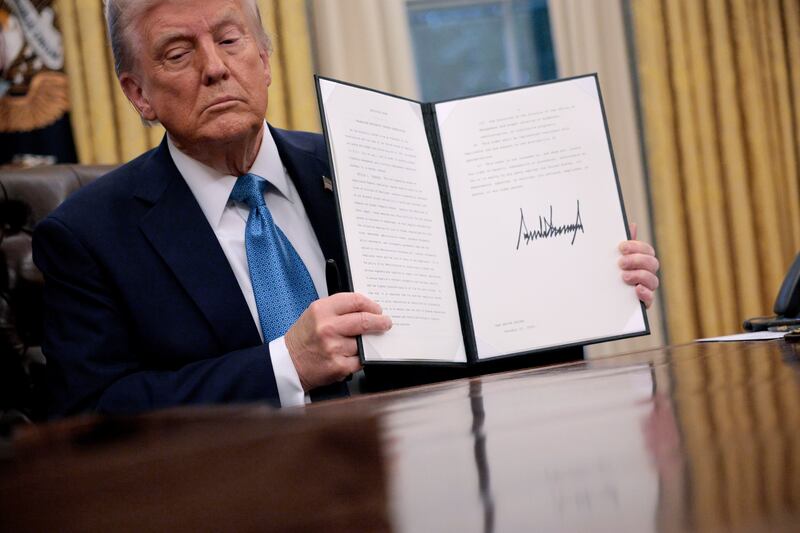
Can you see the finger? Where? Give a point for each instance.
(636, 247)
(641, 277)
(350, 365)
(339, 346)
(645, 295)
(359, 323)
(346, 347)
(344, 366)
(352, 302)
(639, 262)
(633, 231)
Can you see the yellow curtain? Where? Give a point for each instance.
(720, 92)
(106, 128)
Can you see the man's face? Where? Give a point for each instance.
(199, 71)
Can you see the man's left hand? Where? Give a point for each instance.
(639, 266)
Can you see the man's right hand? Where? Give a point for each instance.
(322, 342)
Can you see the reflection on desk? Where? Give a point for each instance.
(699, 437)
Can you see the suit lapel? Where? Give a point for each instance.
(306, 170)
(178, 230)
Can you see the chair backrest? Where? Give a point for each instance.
(26, 197)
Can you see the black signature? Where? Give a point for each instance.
(548, 230)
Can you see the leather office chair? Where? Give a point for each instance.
(26, 197)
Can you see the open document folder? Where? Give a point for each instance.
(486, 226)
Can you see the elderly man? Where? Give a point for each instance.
(195, 273)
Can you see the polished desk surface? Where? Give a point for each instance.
(698, 437)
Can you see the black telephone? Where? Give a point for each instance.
(787, 304)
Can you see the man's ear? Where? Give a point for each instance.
(267, 72)
(133, 90)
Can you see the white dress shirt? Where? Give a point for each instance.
(228, 220)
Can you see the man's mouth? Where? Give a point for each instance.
(221, 101)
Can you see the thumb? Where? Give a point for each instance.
(633, 231)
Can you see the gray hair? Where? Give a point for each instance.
(120, 15)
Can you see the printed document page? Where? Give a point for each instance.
(393, 225)
(538, 216)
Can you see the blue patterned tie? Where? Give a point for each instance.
(281, 283)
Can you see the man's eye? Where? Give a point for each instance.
(231, 40)
(175, 56)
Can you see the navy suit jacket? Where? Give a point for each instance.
(142, 308)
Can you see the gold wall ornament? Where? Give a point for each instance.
(34, 93)
(45, 102)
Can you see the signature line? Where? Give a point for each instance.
(548, 230)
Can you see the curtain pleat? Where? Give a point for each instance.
(663, 160)
(108, 130)
(691, 154)
(752, 78)
(278, 99)
(717, 271)
(99, 91)
(786, 128)
(791, 21)
(79, 114)
(299, 80)
(775, 58)
(720, 109)
(733, 165)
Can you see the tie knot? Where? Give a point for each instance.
(249, 189)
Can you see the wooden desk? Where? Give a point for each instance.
(686, 438)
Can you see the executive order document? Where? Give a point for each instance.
(392, 220)
(514, 194)
(539, 217)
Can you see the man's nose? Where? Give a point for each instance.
(214, 66)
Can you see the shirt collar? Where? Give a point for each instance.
(212, 189)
